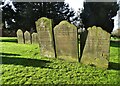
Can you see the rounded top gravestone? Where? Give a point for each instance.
(20, 36)
(45, 37)
(27, 37)
(34, 38)
(66, 41)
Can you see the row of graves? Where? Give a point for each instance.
(93, 47)
(27, 37)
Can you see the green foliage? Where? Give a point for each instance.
(29, 12)
(22, 64)
(99, 14)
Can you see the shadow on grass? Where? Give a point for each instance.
(114, 66)
(8, 40)
(9, 54)
(115, 43)
(25, 62)
(8, 58)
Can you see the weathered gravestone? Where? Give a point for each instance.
(34, 38)
(27, 37)
(66, 41)
(96, 49)
(45, 37)
(20, 37)
(0, 32)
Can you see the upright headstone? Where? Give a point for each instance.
(45, 37)
(34, 38)
(96, 49)
(27, 37)
(20, 37)
(66, 41)
(0, 32)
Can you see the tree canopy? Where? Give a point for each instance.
(94, 13)
(99, 14)
(28, 12)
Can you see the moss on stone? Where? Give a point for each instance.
(43, 19)
(20, 36)
(97, 42)
(64, 22)
(44, 29)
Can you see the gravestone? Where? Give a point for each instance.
(96, 50)
(20, 37)
(45, 37)
(66, 41)
(34, 38)
(0, 32)
(27, 37)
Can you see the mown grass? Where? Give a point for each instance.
(22, 64)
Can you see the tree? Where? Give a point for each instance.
(76, 20)
(28, 12)
(99, 14)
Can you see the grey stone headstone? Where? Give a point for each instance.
(66, 41)
(97, 48)
(45, 37)
(27, 37)
(20, 37)
(34, 38)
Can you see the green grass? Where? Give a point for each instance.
(115, 38)
(22, 64)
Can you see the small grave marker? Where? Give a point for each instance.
(20, 37)
(27, 37)
(34, 38)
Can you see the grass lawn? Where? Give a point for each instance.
(22, 64)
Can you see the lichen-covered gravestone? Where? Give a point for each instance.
(20, 37)
(96, 49)
(27, 37)
(45, 37)
(34, 38)
(66, 41)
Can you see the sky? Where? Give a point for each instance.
(8, 2)
(75, 4)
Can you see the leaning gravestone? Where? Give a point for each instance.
(27, 37)
(66, 41)
(96, 49)
(45, 37)
(34, 38)
(20, 37)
